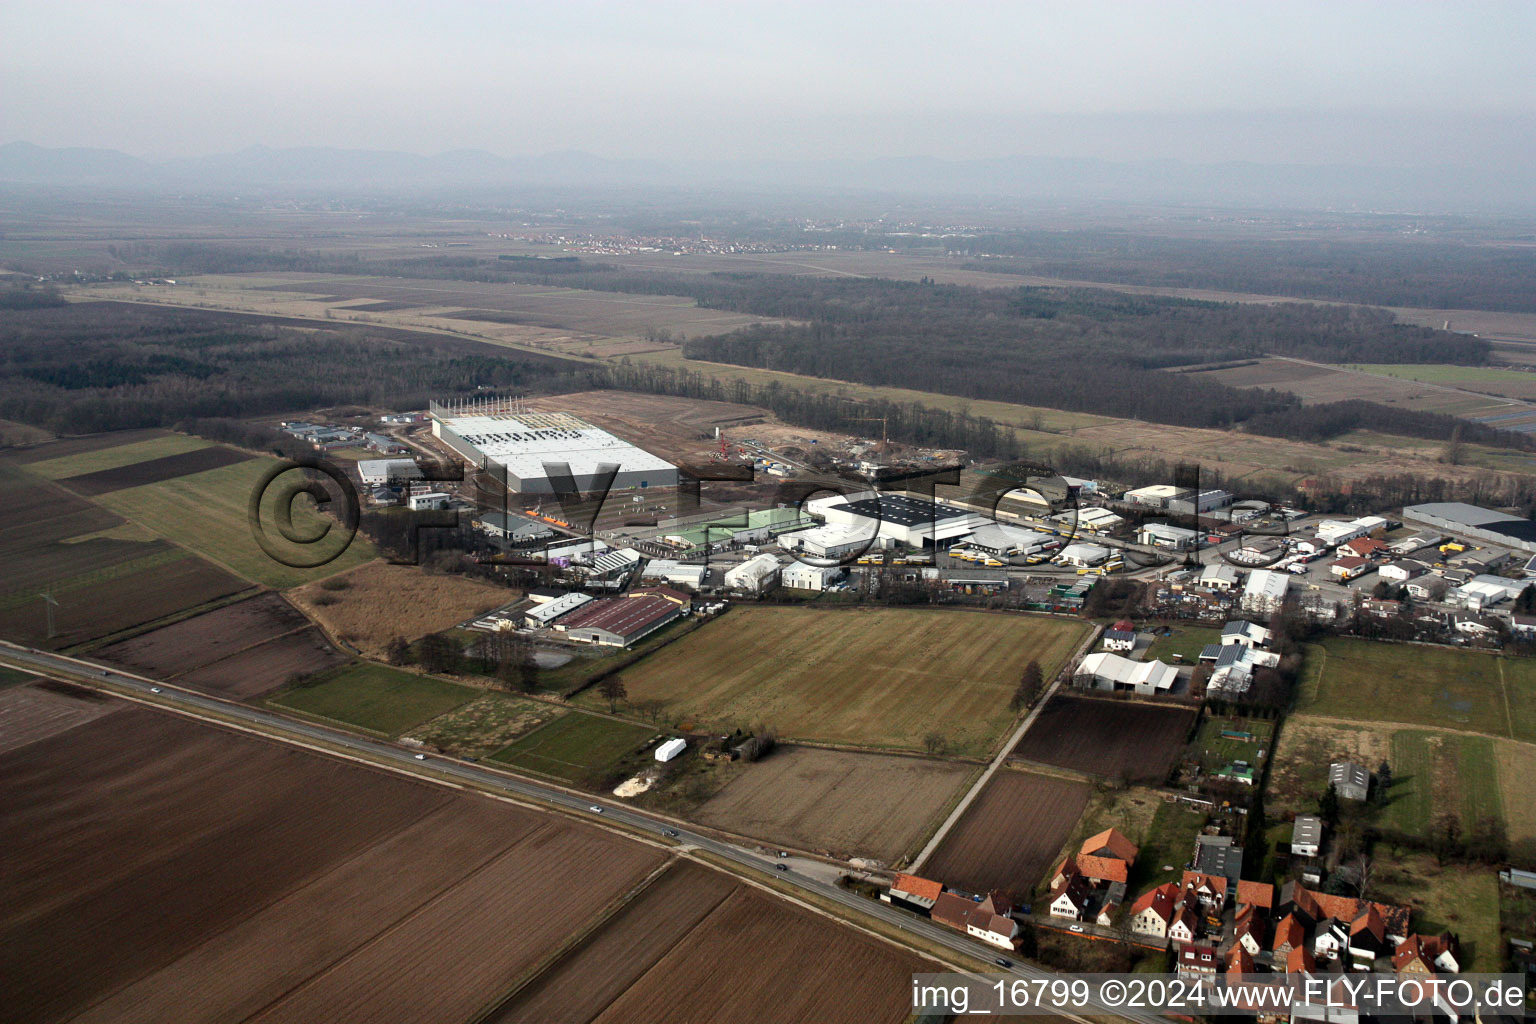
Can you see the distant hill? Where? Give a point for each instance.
(1035, 178)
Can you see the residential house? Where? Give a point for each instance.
(914, 893)
(1107, 911)
(1070, 899)
(952, 909)
(1152, 912)
(1330, 939)
(1247, 634)
(1307, 836)
(1255, 894)
(1522, 626)
(1428, 954)
(1197, 963)
(1250, 930)
(1349, 780)
(1106, 857)
(1185, 926)
(1239, 960)
(1209, 891)
(1367, 937)
(1119, 640)
(1300, 961)
(990, 921)
(1290, 934)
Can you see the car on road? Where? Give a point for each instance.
(152, 689)
(595, 809)
(1002, 962)
(782, 867)
(421, 757)
(670, 833)
(1077, 928)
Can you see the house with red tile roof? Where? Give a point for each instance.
(1300, 960)
(1106, 857)
(1255, 894)
(1428, 954)
(1210, 891)
(1250, 930)
(1185, 926)
(1153, 911)
(1289, 934)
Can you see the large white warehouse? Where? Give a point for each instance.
(523, 449)
(914, 521)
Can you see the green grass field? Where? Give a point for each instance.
(118, 456)
(574, 746)
(1221, 750)
(376, 699)
(1441, 773)
(878, 678)
(484, 725)
(1455, 897)
(1187, 641)
(1364, 680)
(1167, 846)
(207, 512)
(1442, 373)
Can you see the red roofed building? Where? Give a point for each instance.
(914, 893)
(1239, 961)
(1185, 926)
(620, 621)
(1255, 894)
(1289, 935)
(1428, 954)
(952, 909)
(1152, 912)
(1300, 960)
(1106, 857)
(1362, 547)
(1209, 890)
(989, 920)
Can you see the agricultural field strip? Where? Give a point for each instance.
(510, 788)
(471, 889)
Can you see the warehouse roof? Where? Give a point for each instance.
(623, 616)
(1461, 513)
(903, 510)
(524, 442)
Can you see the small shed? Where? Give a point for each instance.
(670, 749)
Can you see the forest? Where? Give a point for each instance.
(96, 366)
(1398, 271)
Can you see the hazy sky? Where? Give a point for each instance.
(1443, 82)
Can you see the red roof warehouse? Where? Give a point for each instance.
(620, 621)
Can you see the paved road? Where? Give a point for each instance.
(156, 692)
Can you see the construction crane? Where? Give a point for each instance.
(876, 419)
